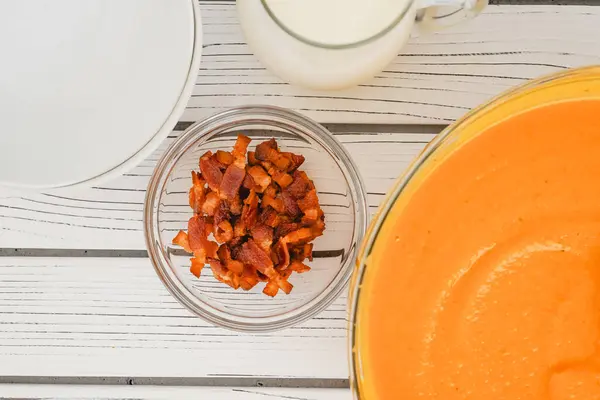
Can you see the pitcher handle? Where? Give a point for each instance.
(433, 15)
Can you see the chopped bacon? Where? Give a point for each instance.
(196, 267)
(276, 203)
(310, 216)
(298, 236)
(310, 200)
(224, 157)
(239, 150)
(296, 160)
(249, 183)
(198, 232)
(283, 255)
(239, 228)
(268, 151)
(282, 179)
(299, 267)
(300, 186)
(252, 254)
(261, 210)
(209, 166)
(235, 205)
(264, 149)
(268, 216)
(260, 177)
(290, 204)
(250, 210)
(252, 158)
(271, 191)
(271, 289)
(263, 236)
(211, 204)
(197, 192)
(182, 240)
(284, 285)
(231, 182)
(285, 228)
(223, 232)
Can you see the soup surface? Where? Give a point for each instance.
(484, 282)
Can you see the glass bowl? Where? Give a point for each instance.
(576, 84)
(341, 194)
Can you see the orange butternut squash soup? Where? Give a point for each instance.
(485, 283)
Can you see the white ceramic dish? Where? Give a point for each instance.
(89, 89)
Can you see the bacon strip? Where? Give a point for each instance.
(182, 240)
(253, 255)
(209, 167)
(231, 182)
(260, 177)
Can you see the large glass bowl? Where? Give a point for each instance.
(583, 83)
(341, 194)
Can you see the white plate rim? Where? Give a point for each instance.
(155, 141)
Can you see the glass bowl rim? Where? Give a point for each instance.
(217, 124)
(556, 78)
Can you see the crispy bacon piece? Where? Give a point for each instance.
(271, 289)
(196, 267)
(299, 236)
(249, 183)
(296, 160)
(252, 160)
(197, 192)
(268, 151)
(250, 210)
(300, 186)
(290, 204)
(283, 255)
(282, 179)
(224, 157)
(209, 167)
(271, 191)
(223, 232)
(309, 201)
(285, 228)
(253, 255)
(299, 267)
(211, 204)
(182, 240)
(276, 203)
(260, 177)
(231, 182)
(239, 150)
(268, 216)
(284, 285)
(198, 231)
(222, 213)
(263, 236)
(235, 205)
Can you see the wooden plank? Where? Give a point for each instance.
(436, 78)
(96, 392)
(112, 317)
(110, 217)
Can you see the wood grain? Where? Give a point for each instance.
(89, 392)
(436, 78)
(112, 317)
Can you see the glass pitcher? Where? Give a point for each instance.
(333, 44)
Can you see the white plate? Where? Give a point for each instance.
(88, 88)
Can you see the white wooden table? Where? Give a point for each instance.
(82, 314)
